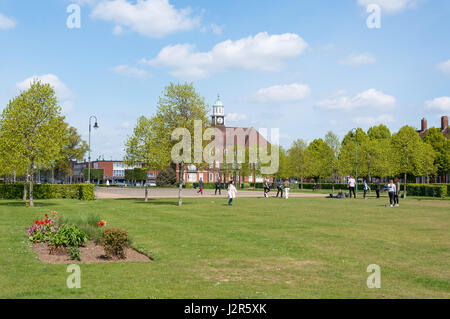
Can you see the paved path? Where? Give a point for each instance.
(114, 192)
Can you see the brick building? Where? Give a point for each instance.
(113, 171)
(247, 136)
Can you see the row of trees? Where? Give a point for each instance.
(380, 154)
(33, 134)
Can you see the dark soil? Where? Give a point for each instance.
(90, 253)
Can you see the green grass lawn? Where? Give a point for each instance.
(259, 248)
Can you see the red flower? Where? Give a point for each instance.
(46, 215)
(99, 223)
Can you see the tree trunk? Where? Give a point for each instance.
(180, 189)
(301, 182)
(404, 187)
(25, 184)
(146, 192)
(31, 184)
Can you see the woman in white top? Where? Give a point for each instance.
(231, 193)
(392, 190)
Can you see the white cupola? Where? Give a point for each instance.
(218, 115)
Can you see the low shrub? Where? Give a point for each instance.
(74, 253)
(68, 236)
(430, 190)
(49, 191)
(114, 241)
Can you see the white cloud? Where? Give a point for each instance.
(64, 94)
(358, 59)
(61, 90)
(390, 6)
(370, 120)
(216, 28)
(235, 117)
(370, 99)
(444, 67)
(283, 93)
(125, 125)
(262, 52)
(130, 71)
(152, 18)
(6, 23)
(439, 103)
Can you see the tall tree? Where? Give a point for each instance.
(33, 128)
(74, 149)
(408, 156)
(347, 156)
(148, 146)
(441, 147)
(177, 110)
(335, 146)
(297, 160)
(318, 155)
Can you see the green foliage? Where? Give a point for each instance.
(167, 177)
(441, 147)
(49, 191)
(86, 192)
(74, 253)
(32, 129)
(136, 174)
(114, 241)
(68, 235)
(430, 190)
(96, 174)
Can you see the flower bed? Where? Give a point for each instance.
(60, 240)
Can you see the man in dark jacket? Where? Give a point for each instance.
(280, 188)
(218, 186)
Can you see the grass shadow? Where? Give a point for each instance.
(11, 203)
(154, 201)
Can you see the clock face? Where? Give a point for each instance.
(220, 120)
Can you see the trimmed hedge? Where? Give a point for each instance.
(430, 190)
(49, 191)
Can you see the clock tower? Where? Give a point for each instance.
(218, 116)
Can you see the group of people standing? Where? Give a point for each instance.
(282, 186)
(393, 189)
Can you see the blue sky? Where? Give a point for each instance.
(304, 67)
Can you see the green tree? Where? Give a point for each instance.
(74, 149)
(408, 156)
(152, 142)
(347, 154)
(148, 145)
(318, 155)
(33, 128)
(379, 132)
(441, 147)
(335, 146)
(297, 160)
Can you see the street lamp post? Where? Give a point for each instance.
(356, 172)
(89, 150)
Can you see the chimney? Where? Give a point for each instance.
(444, 123)
(424, 125)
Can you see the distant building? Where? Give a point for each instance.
(251, 138)
(114, 171)
(444, 127)
(446, 132)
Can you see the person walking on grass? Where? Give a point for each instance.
(397, 191)
(366, 188)
(351, 186)
(287, 188)
(392, 190)
(266, 188)
(218, 186)
(200, 186)
(231, 193)
(280, 188)
(377, 187)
